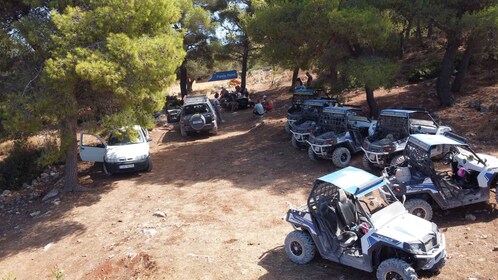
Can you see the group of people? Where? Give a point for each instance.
(299, 82)
(262, 106)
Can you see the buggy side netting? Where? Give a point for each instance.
(419, 159)
(333, 122)
(395, 126)
(311, 113)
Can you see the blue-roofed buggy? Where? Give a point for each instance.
(353, 218)
(339, 134)
(442, 171)
(302, 127)
(385, 147)
(299, 96)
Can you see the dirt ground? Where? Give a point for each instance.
(224, 197)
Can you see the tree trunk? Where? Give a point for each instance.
(408, 28)
(447, 67)
(245, 58)
(69, 145)
(401, 45)
(295, 73)
(464, 65)
(430, 29)
(418, 34)
(183, 79)
(372, 104)
(190, 85)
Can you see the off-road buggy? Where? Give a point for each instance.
(307, 120)
(298, 97)
(442, 171)
(198, 115)
(339, 134)
(385, 147)
(354, 219)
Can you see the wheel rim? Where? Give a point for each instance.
(419, 212)
(296, 248)
(344, 157)
(392, 275)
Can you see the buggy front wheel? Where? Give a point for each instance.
(300, 247)
(287, 127)
(396, 269)
(367, 164)
(295, 144)
(419, 208)
(311, 154)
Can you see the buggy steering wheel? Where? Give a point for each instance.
(447, 158)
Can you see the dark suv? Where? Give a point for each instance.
(198, 115)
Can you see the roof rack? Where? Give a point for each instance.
(196, 99)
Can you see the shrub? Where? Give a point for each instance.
(22, 165)
(425, 71)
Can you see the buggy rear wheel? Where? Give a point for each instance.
(367, 165)
(396, 269)
(182, 131)
(300, 247)
(312, 155)
(341, 157)
(419, 208)
(296, 144)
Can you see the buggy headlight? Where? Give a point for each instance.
(415, 248)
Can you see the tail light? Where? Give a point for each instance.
(365, 145)
(388, 149)
(330, 142)
(310, 130)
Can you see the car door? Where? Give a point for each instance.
(92, 148)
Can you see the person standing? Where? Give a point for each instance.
(217, 107)
(309, 80)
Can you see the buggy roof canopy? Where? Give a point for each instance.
(354, 180)
(426, 141)
(340, 110)
(397, 113)
(305, 91)
(318, 102)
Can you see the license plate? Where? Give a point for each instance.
(126, 166)
(197, 122)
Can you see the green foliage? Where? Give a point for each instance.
(58, 273)
(372, 72)
(9, 276)
(429, 70)
(22, 165)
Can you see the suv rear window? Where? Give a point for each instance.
(195, 109)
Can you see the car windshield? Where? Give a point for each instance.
(119, 138)
(196, 109)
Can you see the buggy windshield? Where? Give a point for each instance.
(397, 127)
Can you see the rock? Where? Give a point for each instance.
(51, 194)
(470, 217)
(483, 236)
(150, 232)
(54, 174)
(475, 105)
(48, 246)
(34, 214)
(132, 255)
(26, 185)
(495, 249)
(43, 175)
(6, 193)
(56, 202)
(159, 214)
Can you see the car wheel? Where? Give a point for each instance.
(341, 157)
(149, 165)
(182, 131)
(396, 269)
(300, 247)
(312, 155)
(197, 121)
(106, 171)
(214, 131)
(419, 208)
